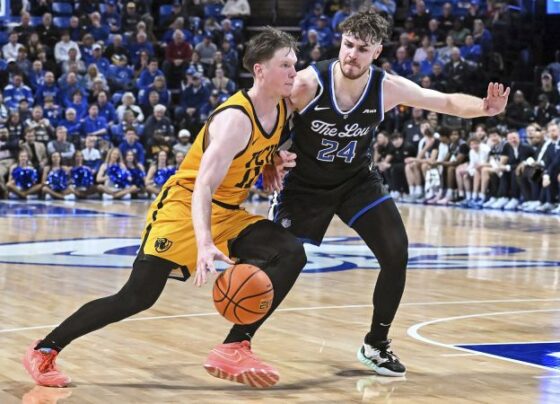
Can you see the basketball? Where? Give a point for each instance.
(243, 294)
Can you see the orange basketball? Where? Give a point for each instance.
(243, 294)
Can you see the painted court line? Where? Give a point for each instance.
(353, 306)
(414, 333)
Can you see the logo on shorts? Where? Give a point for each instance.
(162, 244)
(286, 223)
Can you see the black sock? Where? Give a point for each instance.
(46, 343)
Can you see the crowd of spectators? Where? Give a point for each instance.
(105, 97)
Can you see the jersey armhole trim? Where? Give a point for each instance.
(238, 107)
(381, 106)
(321, 89)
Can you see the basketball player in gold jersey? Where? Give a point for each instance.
(203, 199)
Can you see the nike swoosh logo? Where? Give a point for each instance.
(318, 108)
(235, 357)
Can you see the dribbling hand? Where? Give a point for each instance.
(205, 263)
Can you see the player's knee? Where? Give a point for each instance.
(291, 249)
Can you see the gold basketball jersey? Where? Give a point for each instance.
(247, 165)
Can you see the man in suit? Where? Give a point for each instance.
(36, 151)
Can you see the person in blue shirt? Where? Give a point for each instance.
(111, 17)
(106, 108)
(36, 75)
(97, 58)
(95, 125)
(426, 66)
(148, 75)
(470, 50)
(311, 18)
(79, 103)
(159, 86)
(402, 65)
(324, 32)
(141, 44)
(17, 91)
(341, 15)
(51, 110)
(193, 97)
(47, 89)
(73, 126)
(131, 142)
(99, 31)
(121, 76)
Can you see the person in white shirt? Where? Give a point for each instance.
(63, 46)
(470, 176)
(236, 8)
(91, 155)
(10, 50)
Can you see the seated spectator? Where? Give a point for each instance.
(518, 112)
(121, 76)
(554, 67)
(93, 74)
(471, 51)
(195, 65)
(548, 88)
(106, 108)
(158, 130)
(219, 64)
(426, 66)
(230, 59)
(324, 32)
(184, 142)
(15, 125)
(152, 101)
(95, 125)
(49, 88)
(82, 177)
(131, 143)
(23, 179)
(229, 34)
(17, 91)
(99, 31)
(61, 50)
(222, 83)
(51, 111)
(4, 112)
(73, 63)
(456, 71)
(130, 17)
(236, 9)
(56, 180)
(48, 33)
(62, 146)
(111, 17)
(544, 111)
(73, 125)
(397, 154)
(116, 48)
(192, 98)
(177, 25)
(137, 172)
(402, 65)
(158, 173)
(98, 59)
(415, 76)
(489, 172)
(79, 104)
(468, 177)
(178, 54)
(459, 32)
(36, 75)
(160, 87)
(457, 154)
(24, 29)
(10, 50)
(421, 16)
(111, 178)
(435, 34)
(482, 36)
(206, 50)
(139, 46)
(36, 151)
(148, 75)
(75, 29)
(387, 7)
(421, 52)
(444, 53)
(42, 127)
(91, 155)
(128, 104)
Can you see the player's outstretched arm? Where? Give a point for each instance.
(400, 91)
(228, 134)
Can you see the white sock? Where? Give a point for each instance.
(449, 193)
(461, 193)
(481, 195)
(469, 195)
(419, 190)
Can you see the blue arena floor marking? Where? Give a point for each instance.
(546, 354)
(45, 209)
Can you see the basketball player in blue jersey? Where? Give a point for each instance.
(338, 105)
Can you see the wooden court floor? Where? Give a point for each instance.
(479, 321)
